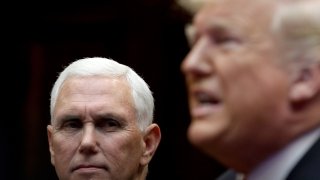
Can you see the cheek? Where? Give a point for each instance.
(133, 143)
(64, 148)
(122, 146)
(258, 94)
(64, 151)
(123, 150)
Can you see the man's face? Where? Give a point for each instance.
(94, 134)
(237, 90)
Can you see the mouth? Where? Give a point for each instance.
(88, 168)
(205, 103)
(206, 98)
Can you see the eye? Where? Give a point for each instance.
(108, 124)
(221, 38)
(231, 44)
(224, 39)
(71, 124)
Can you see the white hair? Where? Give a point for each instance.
(98, 66)
(193, 6)
(296, 24)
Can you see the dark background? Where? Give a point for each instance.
(38, 40)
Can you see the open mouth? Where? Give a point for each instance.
(205, 98)
(205, 103)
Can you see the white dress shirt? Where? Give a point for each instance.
(278, 166)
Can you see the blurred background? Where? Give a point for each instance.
(39, 39)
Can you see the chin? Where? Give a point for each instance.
(203, 134)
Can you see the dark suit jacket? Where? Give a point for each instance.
(308, 168)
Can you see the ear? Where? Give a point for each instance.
(306, 86)
(49, 133)
(152, 137)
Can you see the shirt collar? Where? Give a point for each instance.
(279, 165)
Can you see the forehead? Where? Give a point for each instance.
(235, 14)
(95, 93)
(95, 89)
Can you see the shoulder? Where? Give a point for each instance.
(228, 175)
(308, 166)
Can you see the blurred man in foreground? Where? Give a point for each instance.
(253, 79)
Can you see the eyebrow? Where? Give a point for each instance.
(60, 119)
(110, 115)
(63, 118)
(218, 26)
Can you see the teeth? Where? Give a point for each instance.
(205, 98)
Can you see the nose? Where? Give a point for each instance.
(197, 62)
(89, 143)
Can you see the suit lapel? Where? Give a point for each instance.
(228, 175)
(309, 166)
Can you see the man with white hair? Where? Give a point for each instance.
(101, 122)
